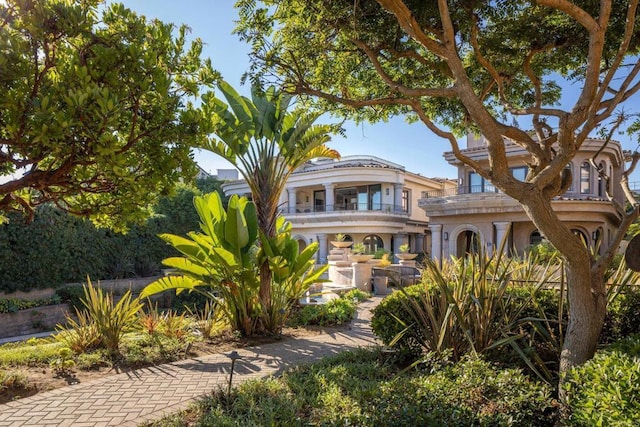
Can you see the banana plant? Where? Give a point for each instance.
(219, 261)
(292, 272)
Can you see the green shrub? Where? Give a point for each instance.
(14, 380)
(334, 312)
(29, 353)
(361, 388)
(72, 295)
(386, 326)
(11, 305)
(357, 295)
(622, 315)
(605, 390)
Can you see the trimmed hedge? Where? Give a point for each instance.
(59, 248)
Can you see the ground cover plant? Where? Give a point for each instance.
(363, 388)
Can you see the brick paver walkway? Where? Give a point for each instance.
(130, 398)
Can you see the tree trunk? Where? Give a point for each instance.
(587, 309)
(585, 286)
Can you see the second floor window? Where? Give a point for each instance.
(405, 200)
(478, 184)
(585, 178)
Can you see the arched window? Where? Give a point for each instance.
(373, 242)
(602, 182)
(535, 238)
(569, 166)
(468, 242)
(582, 236)
(585, 178)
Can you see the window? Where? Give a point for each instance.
(361, 198)
(602, 182)
(519, 173)
(405, 201)
(373, 242)
(585, 178)
(478, 184)
(569, 167)
(319, 201)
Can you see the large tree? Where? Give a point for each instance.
(93, 107)
(459, 65)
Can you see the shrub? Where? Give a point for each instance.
(622, 315)
(357, 295)
(14, 380)
(605, 390)
(29, 353)
(79, 336)
(72, 295)
(385, 318)
(11, 305)
(334, 312)
(361, 388)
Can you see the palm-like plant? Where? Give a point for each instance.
(266, 143)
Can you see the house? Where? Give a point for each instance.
(476, 213)
(370, 200)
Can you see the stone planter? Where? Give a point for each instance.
(341, 245)
(405, 256)
(360, 257)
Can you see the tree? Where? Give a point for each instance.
(93, 113)
(267, 144)
(470, 65)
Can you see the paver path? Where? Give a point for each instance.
(130, 398)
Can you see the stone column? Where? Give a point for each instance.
(397, 197)
(399, 240)
(362, 276)
(292, 199)
(329, 197)
(322, 248)
(436, 241)
(501, 232)
(419, 243)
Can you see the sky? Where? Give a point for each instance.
(411, 145)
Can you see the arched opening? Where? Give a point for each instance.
(372, 243)
(582, 236)
(601, 181)
(535, 238)
(302, 245)
(467, 242)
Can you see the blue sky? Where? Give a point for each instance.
(411, 145)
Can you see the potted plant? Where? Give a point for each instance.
(404, 253)
(358, 253)
(341, 241)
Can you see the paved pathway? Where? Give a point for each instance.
(130, 398)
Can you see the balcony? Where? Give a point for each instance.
(383, 208)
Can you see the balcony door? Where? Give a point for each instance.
(319, 201)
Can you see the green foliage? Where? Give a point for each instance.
(623, 314)
(79, 335)
(14, 380)
(59, 248)
(361, 388)
(292, 273)
(106, 124)
(544, 251)
(335, 312)
(71, 295)
(220, 261)
(64, 363)
(471, 306)
(604, 391)
(356, 295)
(29, 353)
(110, 319)
(359, 248)
(11, 305)
(208, 322)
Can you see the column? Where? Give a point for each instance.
(329, 196)
(436, 241)
(399, 240)
(322, 248)
(501, 233)
(292, 199)
(419, 243)
(397, 197)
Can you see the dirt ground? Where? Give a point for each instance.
(44, 378)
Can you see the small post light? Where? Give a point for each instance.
(233, 356)
(445, 236)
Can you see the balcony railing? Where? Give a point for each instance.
(345, 207)
(463, 189)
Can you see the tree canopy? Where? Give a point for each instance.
(95, 114)
(493, 68)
